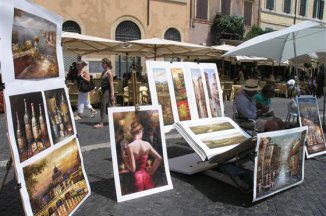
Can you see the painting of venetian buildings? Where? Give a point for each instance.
(198, 85)
(213, 93)
(163, 94)
(180, 94)
(33, 46)
(56, 183)
(279, 162)
(309, 116)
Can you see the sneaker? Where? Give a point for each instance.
(77, 118)
(93, 114)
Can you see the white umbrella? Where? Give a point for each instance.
(305, 37)
(84, 44)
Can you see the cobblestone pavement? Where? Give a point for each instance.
(192, 195)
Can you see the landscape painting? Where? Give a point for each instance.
(309, 116)
(279, 164)
(34, 46)
(180, 93)
(56, 184)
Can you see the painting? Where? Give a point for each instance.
(209, 128)
(180, 93)
(309, 116)
(56, 184)
(138, 151)
(198, 85)
(29, 123)
(280, 161)
(33, 46)
(59, 114)
(220, 141)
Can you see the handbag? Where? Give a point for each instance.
(85, 86)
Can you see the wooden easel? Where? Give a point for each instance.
(135, 90)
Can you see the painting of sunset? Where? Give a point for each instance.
(197, 82)
(163, 94)
(180, 93)
(56, 183)
(34, 46)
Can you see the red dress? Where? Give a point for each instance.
(142, 180)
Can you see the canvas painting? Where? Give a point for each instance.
(181, 97)
(214, 92)
(213, 127)
(56, 184)
(309, 116)
(138, 151)
(198, 87)
(33, 46)
(29, 124)
(280, 161)
(222, 141)
(59, 114)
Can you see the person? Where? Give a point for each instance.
(73, 72)
(136, 159)
(321, 81)
(107, 90)
(83, 75)
(271, 78)
(263, 99)
(312, 86)
(245, 105)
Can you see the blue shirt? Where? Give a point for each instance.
(245, 105)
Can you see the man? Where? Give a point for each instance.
(263, 99)
(245, 105)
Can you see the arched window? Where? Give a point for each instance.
(70, 26)
(127, 31)
(172, 34)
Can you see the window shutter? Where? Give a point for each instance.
(201, 9)
(303, 4)
(270, 4)
(314, 9)
(321, 10)
(287, 6)
(226, 4)
(247, 13)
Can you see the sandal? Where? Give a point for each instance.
(93, 114)
(77, 118)
(98, 126)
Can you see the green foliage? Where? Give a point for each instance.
(227, 27)
(31, 172)
(256, 30)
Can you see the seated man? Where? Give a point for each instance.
(245, 104)
(263, 99)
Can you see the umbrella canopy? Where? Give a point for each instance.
(155, 47)
(318, 57)
(84, 44)
(305, 37)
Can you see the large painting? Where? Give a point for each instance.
(56, 184)
(33, 46)
(138, 151)
(280, 161)
(309, 116)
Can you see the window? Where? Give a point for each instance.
(126, 31)
(247, 13)
(303, 5)
(226, 7)
(270, 4)
(172, 34)
(71, 26)
(287, 6)
(201, 9)
(318, 10)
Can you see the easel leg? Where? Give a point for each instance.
(8, 166)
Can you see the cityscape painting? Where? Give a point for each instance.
(213, 92)
(180, 94)
(163, 94)
(59, 114)
(34, 46)
(198, 85)
(279, 161)
(309, 116)
(29, 124)
(56, 184)
(139, 157)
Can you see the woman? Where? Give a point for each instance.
(136, 159)
(107, 89)
(83, 75)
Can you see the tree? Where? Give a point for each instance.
(227, 27)
(31, 172)
(255, 31)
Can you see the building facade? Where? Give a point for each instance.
(277, 14)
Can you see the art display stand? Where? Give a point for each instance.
(8, 166)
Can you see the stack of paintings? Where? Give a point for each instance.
(43, 143)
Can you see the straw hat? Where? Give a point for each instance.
(251, 85)
(135, 128)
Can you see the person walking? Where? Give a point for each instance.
(83, 76)
(107, 90)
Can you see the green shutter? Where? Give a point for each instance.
(303, 4)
